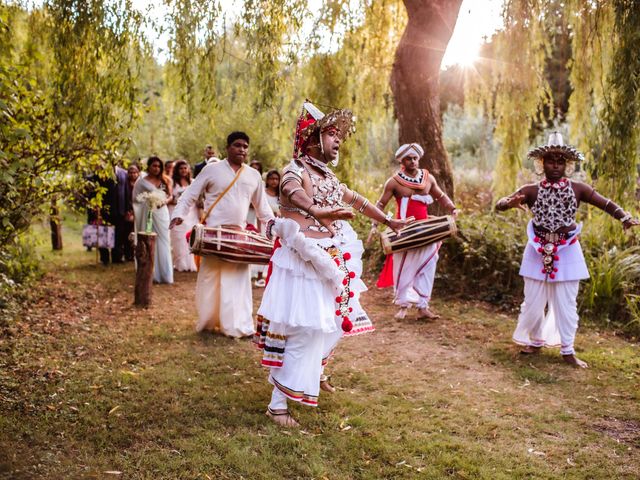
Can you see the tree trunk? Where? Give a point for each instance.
(415, 81)
(56, 226)
(145, 249)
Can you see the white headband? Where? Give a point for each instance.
(408, 149)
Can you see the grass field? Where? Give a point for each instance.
(91, 387)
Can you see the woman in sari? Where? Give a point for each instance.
(151, 184)
(182, 258)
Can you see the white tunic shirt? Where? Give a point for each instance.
(232, 209)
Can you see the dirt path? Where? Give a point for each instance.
(90, 385)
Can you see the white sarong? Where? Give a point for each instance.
(223, 298)
(557, 293)
(555, 328)
(413, 274)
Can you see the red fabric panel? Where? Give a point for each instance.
(276, 245)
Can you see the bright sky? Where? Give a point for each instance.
(477, 19)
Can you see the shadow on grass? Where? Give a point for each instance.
(539, 368)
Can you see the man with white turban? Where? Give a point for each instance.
(412, 272)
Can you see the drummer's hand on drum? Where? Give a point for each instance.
(327, 215)
(174, 222)
(397, 224)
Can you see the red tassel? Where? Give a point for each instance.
(345, 281)
(536, 239)
(544, 271)
(337, 260)
(338, 299)
(563, 242)
(351, 294)
(350, 309)
(338, 313)
(347, 256)
(352, 274)
(540, 249)
(555, 269)
(347, 326)
(552, 276)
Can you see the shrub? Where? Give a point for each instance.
(610, 296)
(484, 259)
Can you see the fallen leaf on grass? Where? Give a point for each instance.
(570, 462)
(536, 452)
(113, 472)
(114, 409)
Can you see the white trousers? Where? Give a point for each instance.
(298, 379)
(556, 327)
(413, 274)
(224, 298)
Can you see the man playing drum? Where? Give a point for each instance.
(553, 263)
(412, 271)
(223, 289)
(312, 293)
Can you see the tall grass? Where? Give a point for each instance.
(611, 295)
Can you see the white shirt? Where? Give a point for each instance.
(232, 209)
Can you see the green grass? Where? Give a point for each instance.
(89, 384)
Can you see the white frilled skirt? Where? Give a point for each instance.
(314, 289)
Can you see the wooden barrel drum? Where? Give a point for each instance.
(230, 243)
(419, 234)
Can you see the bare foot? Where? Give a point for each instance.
(400, 314)
(325, 385)
(530, 349)
(575, 361)
(282, 418)
(426, 313)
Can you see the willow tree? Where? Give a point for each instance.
(604, 107)
(275, 44)
(511, 86)
(67, 80)
(415, 80)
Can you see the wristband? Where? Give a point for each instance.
(626, 218)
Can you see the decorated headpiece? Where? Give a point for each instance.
(555, 144)
(312, 122)
(408, 149)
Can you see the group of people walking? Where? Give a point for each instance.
(127, 209)
(313, 284)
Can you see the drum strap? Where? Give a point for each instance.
(235, 179)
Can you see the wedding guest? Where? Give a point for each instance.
(133, 172)
(182, 258)
(155, 181)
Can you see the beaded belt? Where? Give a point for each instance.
(549, 242)
(549, 237)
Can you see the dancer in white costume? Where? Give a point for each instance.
(412, 272)
(223, 289)
(553, 263)
(312, 294)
